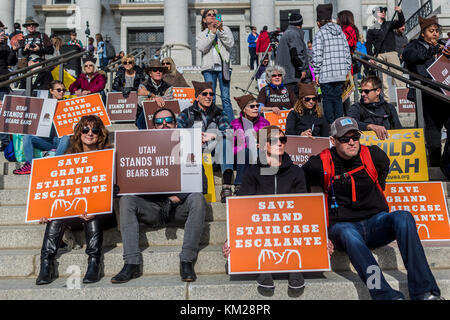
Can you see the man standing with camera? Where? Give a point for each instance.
(292, 53)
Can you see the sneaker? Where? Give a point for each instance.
(25, 169)
(296, 280)
(226, 192)
(431, 296)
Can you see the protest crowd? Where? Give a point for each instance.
(302, 102)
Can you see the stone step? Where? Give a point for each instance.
(15, 215)
(157, 260)
(30, 236)
(165, 259)
(319, 286)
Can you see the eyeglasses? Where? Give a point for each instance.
(211, 94)
(88, 65)
(211, 15)
(346, 139)
(59, 90)
(277, 75)
(161, 120)
(157, 70)
(94, 130)
(308, 99)
(127, 62)
(367, 91)
(282, 139)
(253, 106)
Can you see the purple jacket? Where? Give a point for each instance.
(239, 135)
(97, 83)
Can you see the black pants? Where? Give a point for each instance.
(253, 57)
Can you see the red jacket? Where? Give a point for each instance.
(352, 39)
(263, 42)
(97, 83)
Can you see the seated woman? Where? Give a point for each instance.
(248, 118)
(154, 88)
(307, 119)
(275, 96)
(129, 77)
(91, 81)
(288, 178)
(89, 135)
(30, 142)
(172, 77)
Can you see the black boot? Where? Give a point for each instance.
(94, 242)
(54, 232)
(187, 272)
(128, 272)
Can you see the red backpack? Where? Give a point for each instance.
(329, 174)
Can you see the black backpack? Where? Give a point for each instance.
(110, 50)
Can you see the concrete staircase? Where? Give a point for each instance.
(20, 249)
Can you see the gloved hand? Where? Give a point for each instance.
(165, 213)
(126, 92)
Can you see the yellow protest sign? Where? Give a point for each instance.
(68, 79)
(406, 150)
(207, 165)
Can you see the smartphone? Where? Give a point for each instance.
(219, 17)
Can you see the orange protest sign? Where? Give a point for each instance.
(277, 120)
(69, 112)
(277, 233)
(71, 185)
(427, 203)
(185, 96)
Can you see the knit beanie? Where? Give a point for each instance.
(305, 89)
(242, 101)
(324, 11)
(296, 19)
(201, 86)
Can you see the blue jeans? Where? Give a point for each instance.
(45, 144)
(355, 238)
(213, 76)
(332, 100)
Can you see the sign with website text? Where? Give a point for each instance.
(277, 233)
(302, 148)
(404, 105)
(406, 150)
(120, 108)
(277, 120)
(69, 112)
(185, 97)
(159, 161)
(427, 203)
(150, 108)
(71, 185)
(27, 115)
(440, 71)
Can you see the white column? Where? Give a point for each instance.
(263, 14)
(176, 26)
(90, 10)
(355, 7)
(7, 14)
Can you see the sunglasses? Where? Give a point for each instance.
(127, 62)
(94, 130)
(367, 91)
(166, 63)
(253, 106)
(308, 99)
(89, 65)
(161, 120)
(211, 94)
(211, 15)
(59, 90)
(346, 139)
(277, 75)
(157, 70)
(282, 139)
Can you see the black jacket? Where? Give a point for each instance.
(40, 39)
(375, 36)
(41, 82)
(119, 80)
(290, 178)
(7, 58)
(380, 113)
(296, 123)
(369, 200)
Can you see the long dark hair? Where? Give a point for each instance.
(345, 18)
(76, 146)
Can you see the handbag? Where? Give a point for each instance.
(226, 68)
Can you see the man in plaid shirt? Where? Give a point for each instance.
(331, 61)
(215, 126)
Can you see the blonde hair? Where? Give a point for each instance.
(128, 57)
(173, 68)
(300, 108)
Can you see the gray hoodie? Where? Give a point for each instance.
(331, 54)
